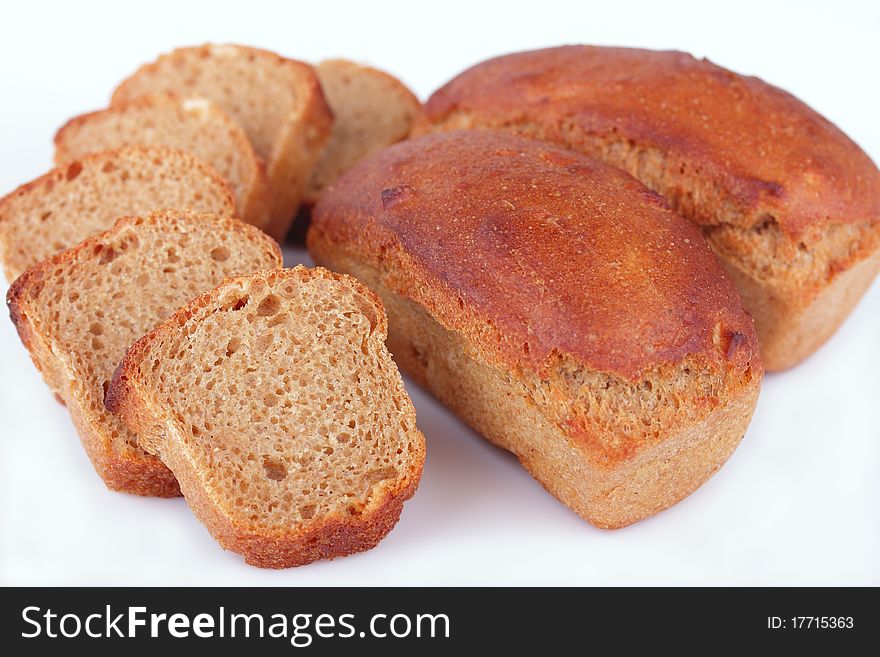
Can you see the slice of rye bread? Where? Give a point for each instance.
(371, 108)
(63, 207)
(278, 102)
(79, 310)
(558, 306)
(788, 202)
(194, 125)
(275, 402)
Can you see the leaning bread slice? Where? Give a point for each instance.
(371, 110)
(86, 196)
(278, 102)
(275, 402)
(195, 125)
(78, 311)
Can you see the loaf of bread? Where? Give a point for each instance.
(558, 306)
(86, 196)
(275, 402)
(789, 203)
(78, 311)
(278, 102)
(194, 125)
(371, 110)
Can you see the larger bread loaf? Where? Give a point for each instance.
(558, 306)
(788, 202)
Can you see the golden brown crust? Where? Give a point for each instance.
(132, 472)
(323, 538)
(787, 201)
(765, 150)
(142, 475)
(536, 253)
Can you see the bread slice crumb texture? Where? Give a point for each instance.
(278, 101)
(277, 404)
(195, 125)
(86, 196)
(371, 110)
(79, 311)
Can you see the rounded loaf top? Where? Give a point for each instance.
(768, 153)
(534, 252)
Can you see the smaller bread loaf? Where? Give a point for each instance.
(278, 102)
(86, 196)
(194, 125)
(558, 306)
(371, 110)
(79, 310)
(276, 404)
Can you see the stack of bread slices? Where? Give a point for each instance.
(148, 287)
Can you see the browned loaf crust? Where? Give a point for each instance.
(556, 305)
(787, 201)
(76, 322)
(261, 514)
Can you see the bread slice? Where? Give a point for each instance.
(86, 196)
(79, 310)
(194, 125)
(275, 402)
(371, 110)
(277, 101)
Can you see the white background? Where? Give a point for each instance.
(798, 503)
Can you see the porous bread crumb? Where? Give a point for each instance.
(277, 405)
(277, 101)
(86, 196)
(193, 125)
(78, 311)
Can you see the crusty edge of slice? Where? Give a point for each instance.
(302, 145)
(325, 537)
(145, 476)
(255, 207)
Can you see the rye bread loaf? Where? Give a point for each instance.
(194, 125)
(275, 402)
(86, 196)
(789, 203)
(78, 311)
(558, 306)
(371, 110)
(278, 102)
